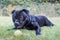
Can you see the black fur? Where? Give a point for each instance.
(22, 19)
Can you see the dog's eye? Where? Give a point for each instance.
(17, 17)
(21, 17)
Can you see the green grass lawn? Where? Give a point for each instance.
(47, 33)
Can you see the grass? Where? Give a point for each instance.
(47, 33)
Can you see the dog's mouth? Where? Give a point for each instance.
(19, 26)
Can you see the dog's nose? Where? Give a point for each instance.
(20, 22)
(17, 23)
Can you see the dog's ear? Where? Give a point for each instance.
(13, 11)
(26, 11)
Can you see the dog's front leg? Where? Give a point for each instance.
(37, 28)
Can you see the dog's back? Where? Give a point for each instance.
(44, 21)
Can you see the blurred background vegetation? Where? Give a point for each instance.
(37, 7)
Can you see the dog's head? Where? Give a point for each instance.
(19, 17)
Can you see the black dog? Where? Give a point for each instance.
(22, 19)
